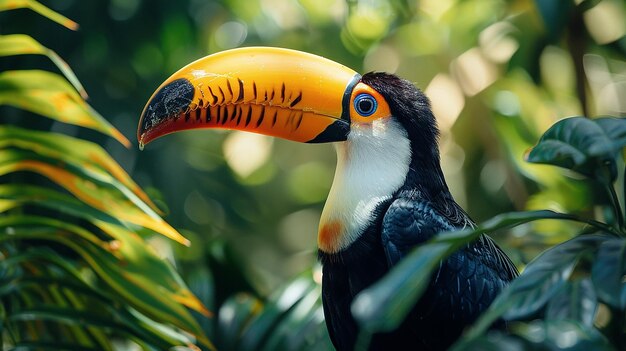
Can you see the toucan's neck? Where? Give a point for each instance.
(372, 165)
(425, 175)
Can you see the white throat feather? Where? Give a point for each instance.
(371, 165)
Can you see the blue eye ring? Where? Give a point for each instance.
(365, 104)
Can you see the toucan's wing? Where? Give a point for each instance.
(468, 280)
(407, 223)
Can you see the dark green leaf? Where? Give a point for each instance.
(575, 301)
(494, 341)
(582, 145)
(263, 325)
(555, 15)
(615, 128)
(539, 282)
(608, 271)
(294, 330)
(233, 317)
(49, 346)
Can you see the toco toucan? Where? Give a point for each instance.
(388, 195)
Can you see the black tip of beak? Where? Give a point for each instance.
(168, 102)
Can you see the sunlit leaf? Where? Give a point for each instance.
(100, 191)
(607, 272)
(16, 194)
(49, 95)
(538, 283)
(582, 145)
(40, 9)
(22, 44)
(575, 301)
(385, 304)
(81, 153)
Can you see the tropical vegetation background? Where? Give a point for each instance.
(82, 258)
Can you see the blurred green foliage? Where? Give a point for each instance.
(499, 73)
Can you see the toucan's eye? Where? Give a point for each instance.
(365, 104)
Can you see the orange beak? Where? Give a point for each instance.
(277, 92)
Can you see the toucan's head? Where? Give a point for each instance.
(386, 130)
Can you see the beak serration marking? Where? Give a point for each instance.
(296, 100)
(240, 97)
(258, 123)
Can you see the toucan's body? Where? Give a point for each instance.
(388, 196)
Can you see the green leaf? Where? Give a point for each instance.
(575, 301)
(70, 150)
(303, 329)
(607, 272)
(615, 128)
(127, 265)
(540, 281)
(562, 335)
(385, 304)
(555, 15)
(49, 346)
(49, 95)
(233, 317)
(22, 44)
(97, 189)
(40, 9)
(583, 145)
(66, 315)
(263, 324)
(494, 341)
(17, 194)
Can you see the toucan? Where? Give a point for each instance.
(388, 195)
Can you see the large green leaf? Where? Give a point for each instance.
(22, 44)
(82, 154)
(607, 272)
(384, 305)
(16, 194)
(40, 9)
(126, 264)
(97, 189)
(575, 301)
(586, 146)
(49, 95)
(540, 281)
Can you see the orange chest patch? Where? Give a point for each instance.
(329, 236)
